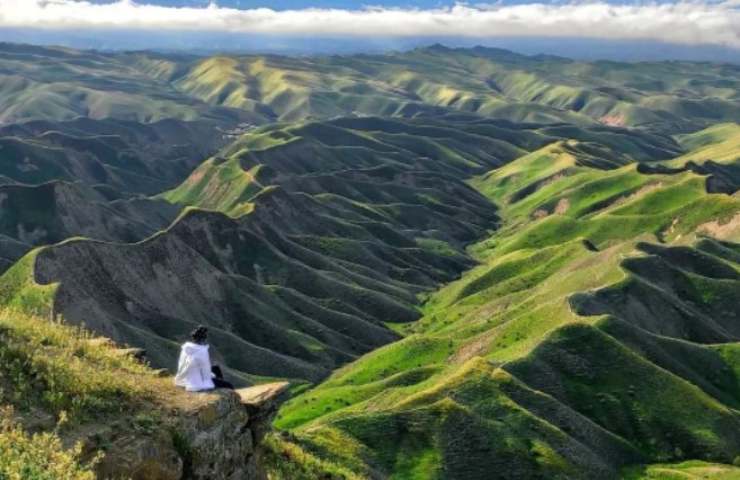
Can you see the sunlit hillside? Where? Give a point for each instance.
(603, 310)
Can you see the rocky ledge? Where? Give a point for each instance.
(214, 435)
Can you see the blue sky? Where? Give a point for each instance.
(342, 4)
(297, 4)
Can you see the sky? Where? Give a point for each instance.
(692, 24)
(300, 4)
(339, 4)
(292, 4)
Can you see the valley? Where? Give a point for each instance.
(469, 263)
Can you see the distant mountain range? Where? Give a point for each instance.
(210, 43)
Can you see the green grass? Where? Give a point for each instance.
(40, 456)
(514, 310)
(59, 374)
(65, 369)
(19, 290)
(401, 364)
(286, 460)
(719, 143)
(691, 470)
(224, 187)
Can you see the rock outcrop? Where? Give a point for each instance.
(211, 436)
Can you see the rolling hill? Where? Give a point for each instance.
(63, 84)
(91, 178)
(306, 275)
(490, 82)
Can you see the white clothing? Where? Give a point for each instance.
(194, 368)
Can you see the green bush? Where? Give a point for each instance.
(37, 457)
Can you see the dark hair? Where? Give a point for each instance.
(200, 334)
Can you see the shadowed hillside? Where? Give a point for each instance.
(120, 158)
(85, 178)
(52, 212)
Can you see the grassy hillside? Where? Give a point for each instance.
(59, 84)
(57, 384)
(74, 406)
(490, 82)
(597, 318)
(719, 143)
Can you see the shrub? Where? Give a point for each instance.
(37, 457)
(285, 460)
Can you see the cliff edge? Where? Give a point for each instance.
(214, 436)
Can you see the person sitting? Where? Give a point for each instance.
(194, 370)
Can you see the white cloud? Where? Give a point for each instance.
(686, 22)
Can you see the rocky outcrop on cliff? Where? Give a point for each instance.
(210, 436)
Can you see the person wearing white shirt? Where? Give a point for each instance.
(194, 370)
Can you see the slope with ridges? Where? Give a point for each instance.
(513, 344)
(333, 228)
(368, 161)
(128, 157)
(49, 213)
(301, 283)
